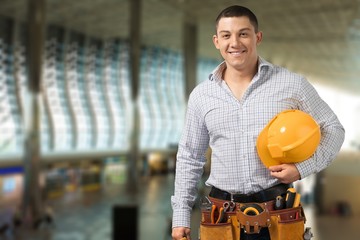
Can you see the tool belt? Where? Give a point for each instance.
(224, 219)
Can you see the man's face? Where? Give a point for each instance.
(237, 41)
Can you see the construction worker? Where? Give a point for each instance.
(228, 111)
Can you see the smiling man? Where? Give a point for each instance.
(226, 113)
(237, 39)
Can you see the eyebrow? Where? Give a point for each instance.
(241, 30)
(245, 29)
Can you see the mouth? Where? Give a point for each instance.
(237, 53)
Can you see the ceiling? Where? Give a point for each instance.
(320, 39)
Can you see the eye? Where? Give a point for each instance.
(226, 36)
(243, 34)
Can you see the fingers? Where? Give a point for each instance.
(181, 233)
(286, 173)
(277, 172)
(278, 175)
(276, 168)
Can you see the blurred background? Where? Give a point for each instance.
(92, 102)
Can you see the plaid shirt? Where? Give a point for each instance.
(230, 127)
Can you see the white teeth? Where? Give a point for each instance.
(237, 52)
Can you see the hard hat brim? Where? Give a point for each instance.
(263, 152)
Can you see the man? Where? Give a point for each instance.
(228, 111)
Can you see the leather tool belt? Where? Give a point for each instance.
(220, 222)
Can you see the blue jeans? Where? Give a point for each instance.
(263, 235)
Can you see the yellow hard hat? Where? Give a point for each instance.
(291, 136)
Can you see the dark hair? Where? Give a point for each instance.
(238, 11)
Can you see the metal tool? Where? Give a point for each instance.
(279, 203)
(221, 217)
(308, 234)
(205, 204)
(229, 206)
(213, 212)
(217, 216)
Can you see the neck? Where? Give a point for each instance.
(242, 75)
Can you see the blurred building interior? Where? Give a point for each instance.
(93, 97)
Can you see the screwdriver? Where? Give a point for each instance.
(290, 197)
(297, 200)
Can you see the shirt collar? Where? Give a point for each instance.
(218, 71)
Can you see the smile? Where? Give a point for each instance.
(236, 53)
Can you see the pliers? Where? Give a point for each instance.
(217, 216)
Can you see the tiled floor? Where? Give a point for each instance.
(88, 216)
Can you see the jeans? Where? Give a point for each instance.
(263, 235)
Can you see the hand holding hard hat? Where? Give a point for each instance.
(291, 136)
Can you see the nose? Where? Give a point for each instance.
(235, 41)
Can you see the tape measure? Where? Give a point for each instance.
(252, 209)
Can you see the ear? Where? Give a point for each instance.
(216, 41)
(259, 36)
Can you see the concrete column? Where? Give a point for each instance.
(190, 32)
(135, 54)
(135, 44)
(32, 202)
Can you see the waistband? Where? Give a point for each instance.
(259, 197)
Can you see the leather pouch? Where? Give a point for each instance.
(235, 226)
(218, 231)
(205, 217)
(229, 230)
(287, 224)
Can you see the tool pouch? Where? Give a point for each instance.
(228, 230)
(253, 223)
(287, 224)
(218, 231)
